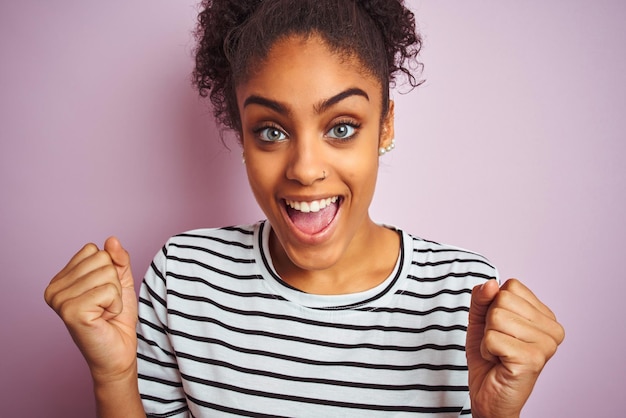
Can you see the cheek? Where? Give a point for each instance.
(256, 176)
(360, 168)
(263, 174)
(261, 188)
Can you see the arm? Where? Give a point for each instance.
(119, 398)
(510, 337)
(94, 296)
(160, 380)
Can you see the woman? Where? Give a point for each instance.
(317, 311)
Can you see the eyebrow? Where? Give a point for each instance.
(262, 101)
(354, 91)
(319, 108)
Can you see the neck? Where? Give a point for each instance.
(367, 262)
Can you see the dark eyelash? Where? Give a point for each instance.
(267, 125)
(351, 123)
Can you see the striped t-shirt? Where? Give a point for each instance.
(220, 334)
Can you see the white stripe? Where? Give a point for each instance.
(276, 357)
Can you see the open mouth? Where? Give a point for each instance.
(314, 216)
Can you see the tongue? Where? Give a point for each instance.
(313, 222)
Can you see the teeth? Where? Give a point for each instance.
(313, 206)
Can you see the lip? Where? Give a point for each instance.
(311, 205)
(318, 237)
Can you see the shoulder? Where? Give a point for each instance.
(227, 237)
(202, 253)
(208, 246)
(435, 259)
(446, 251)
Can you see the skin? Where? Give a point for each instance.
(511, 333)
(94, 295)
(314, 94)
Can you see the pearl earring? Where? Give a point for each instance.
(383, 150)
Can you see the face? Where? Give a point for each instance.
(311, 130)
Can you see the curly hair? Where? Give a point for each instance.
(234, 35)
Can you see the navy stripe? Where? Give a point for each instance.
(154, 344)
(283, 337)
(448, 275)
(223, 289)
(321, 381)
(154, 295)
(206, 308)
(450, 261)
(312, 362)
(316, 401)
(322, 324)
(434, 295)
(215, 253)
(157, 362)
(216, 239)
(208, 267)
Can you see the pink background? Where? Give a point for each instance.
(514, 147)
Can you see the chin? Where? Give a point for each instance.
(314, 258)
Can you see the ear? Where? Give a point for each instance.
(387, 127)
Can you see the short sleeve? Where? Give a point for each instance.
(160, 383)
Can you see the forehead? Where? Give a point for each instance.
(298, 68)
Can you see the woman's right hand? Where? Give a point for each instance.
(95, 296)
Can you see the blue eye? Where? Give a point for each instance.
(271, 134)
(342, 131)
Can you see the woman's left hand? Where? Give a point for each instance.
(510, 337)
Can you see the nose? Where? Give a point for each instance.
(306, 160)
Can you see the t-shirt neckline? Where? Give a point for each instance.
(358, 300)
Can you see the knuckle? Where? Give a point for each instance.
(110, 289)
(484, 346)
(54, 301)
(90, 248)
(515, 282)
(550, 314)
(497, 316)
(489, 338)
(552, 347)
(87, 251)
(67, 311)
(512, 284)
(504, 297)
(108, 268)
(108, 292)
(110, 273)
(560, 334)
(532, 363)
(556, 331)
(488, 345)
(552, 344)
(103, 257)
(48, 296)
